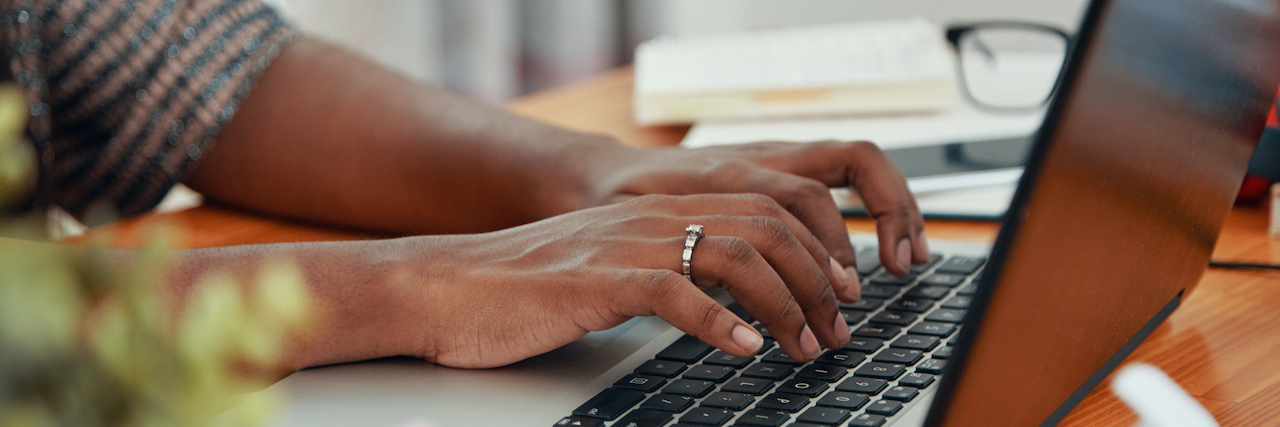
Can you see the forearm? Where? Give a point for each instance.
(328, 136)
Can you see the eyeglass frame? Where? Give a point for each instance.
(955, 32)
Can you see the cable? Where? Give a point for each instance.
(1243, 265)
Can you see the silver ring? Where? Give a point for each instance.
(691, 235)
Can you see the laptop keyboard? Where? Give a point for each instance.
(901, 331)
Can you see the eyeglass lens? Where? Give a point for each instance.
(1010, 67)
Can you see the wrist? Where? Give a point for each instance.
(585, 162)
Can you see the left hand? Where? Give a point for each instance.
(797, 176)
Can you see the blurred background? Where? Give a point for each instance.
(495, 50)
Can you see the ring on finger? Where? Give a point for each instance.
(692, 233)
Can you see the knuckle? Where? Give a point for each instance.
(810, 188)
(709, 314)
(659, 283)
(773, 230)
(760, 204)
(737, 251)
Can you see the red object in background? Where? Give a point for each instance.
(1255, 188)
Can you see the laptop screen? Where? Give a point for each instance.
(1134, 172)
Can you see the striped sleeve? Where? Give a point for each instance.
(125, 95)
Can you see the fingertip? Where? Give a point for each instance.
(854, 292)
(842, 331)
(904, 254)
(841, 276)
(747, 339)
(809, 344)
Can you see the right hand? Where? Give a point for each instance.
(496, 298)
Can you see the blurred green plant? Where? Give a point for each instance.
(87, 342)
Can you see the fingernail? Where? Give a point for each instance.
(809, 343)
(842, 329)
(747, 338)
(841, 275)
(904, 253)
(855, 286)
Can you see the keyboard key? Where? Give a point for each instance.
(783, 402)
(703, 415)
(910, 304)
(958, 301)
(948, 315)
(661, 368)
(645, 418)
(826, 373)
(969, 289)
(868, 261)
(942, 279)
(864, 304)
(932, 366)
(933, 259)
(610, 403)
(877, 331)
(771, 371)
(862, 385)
(752, 386)
(887, 278)
(937, 329)
(768, 345)
(668, 402)
(928, 292)
(867, 420)
(710, 373)
(899, 355)
(729, 400)
(901, 393)
(807, 388)
(841, 358)
(894, 318)
(917, 342)
(884, 407)
(576, 421)
(763, 417)
(865, 345)
(879, 291)
(962, 264)
(824, 415)
(696, 388)
(852, 317)
(944, 353)
(643, 383)
(764, 332)
(778, 356)
(916, 379)
(844, 399)
(687, 349)
(725, 359)
(880, 370)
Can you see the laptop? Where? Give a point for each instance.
(1125, 190)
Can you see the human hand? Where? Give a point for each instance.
(496, 298)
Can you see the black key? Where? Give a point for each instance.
(725, 359)
(803, 425)
(910, 304)
(661, 368)
(969, 289)
(894, 318)
(887, 278)
(868, 261)
(576, 421)
(768, 344)
(819, 372)
(753, 386)
(937, 329)
(945, 353)
(877, 331)
(862, 385)
(933, 259)
(917, 342)
(778, 356)
(807, 388)
(867, 420)
(610, 403)
(942, 280)
(771, 371)
(730, 400)
(844, 399)
(824, 415)
(878, 291)
(884, 407)
(687, 349)
(709, 373)
(764, 332)
(932, 366)
(886, 371)
(741, 311)
(645, 418)
(901, 393)
(865, 304)
(763, 417)
(865, 345)
(696, 388)
(962, 264)
(916, 379)
(783, 402)
(668, 402)
(703, 415)
(643, 383)
(841, 358)
(928, 292)
(949, 315)
(899, 355)
(852, 317)
(958, 301)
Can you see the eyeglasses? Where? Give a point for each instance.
(1008, 66)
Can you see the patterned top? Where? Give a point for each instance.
(124, 95)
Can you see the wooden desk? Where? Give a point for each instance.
(1222, 345)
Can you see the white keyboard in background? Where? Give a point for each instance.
(883, 66)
